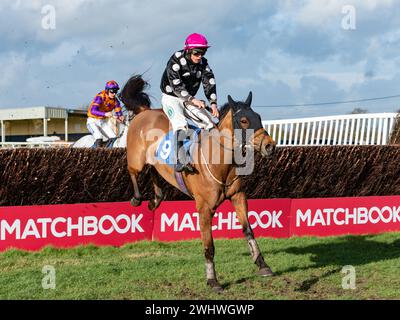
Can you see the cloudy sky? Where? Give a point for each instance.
(287, 52)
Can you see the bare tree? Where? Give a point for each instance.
(359, 111)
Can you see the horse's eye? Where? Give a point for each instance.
(244, 123)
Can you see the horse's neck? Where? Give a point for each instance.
(218, 146)
(226, 131)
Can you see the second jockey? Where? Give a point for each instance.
(185, 71)
(101, 108)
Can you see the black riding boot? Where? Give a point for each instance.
(97, 143)
(110, 142)
(182, 157)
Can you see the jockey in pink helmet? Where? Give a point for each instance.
(186, 70)
(196, 40)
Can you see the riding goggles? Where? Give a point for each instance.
(199, 52)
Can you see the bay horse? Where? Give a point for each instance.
(214, 181)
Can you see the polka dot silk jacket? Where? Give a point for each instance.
(182, 78)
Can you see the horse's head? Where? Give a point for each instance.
(245, 119)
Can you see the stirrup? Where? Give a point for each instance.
(180, 167)
(96, 144)
(110, 142)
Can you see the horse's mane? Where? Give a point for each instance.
(133, 95)
(224, 110)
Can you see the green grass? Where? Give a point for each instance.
(307, 268)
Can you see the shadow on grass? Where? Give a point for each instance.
(350, 250)
(337, 253)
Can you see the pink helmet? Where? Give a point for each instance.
(196, 40)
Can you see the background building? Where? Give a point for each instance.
(18, 124)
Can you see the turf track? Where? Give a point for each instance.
(307, 268)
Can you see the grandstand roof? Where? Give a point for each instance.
(40, 112)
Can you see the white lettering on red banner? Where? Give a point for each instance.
(62, 227)
(347, 216)
(229, 221)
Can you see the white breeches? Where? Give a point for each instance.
(100, 128)
(178, 115)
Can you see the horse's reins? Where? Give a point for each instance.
(125, 126)
(225, 185)
(243, 146)
(196, 118)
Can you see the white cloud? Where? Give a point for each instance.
(12, 66)
(61, 55)
(286, 52)
(318, 13)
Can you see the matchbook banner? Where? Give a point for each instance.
(181, 221)
(115, 224)
(338, 216)
(70, 225)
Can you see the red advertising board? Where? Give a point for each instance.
(340, 216)
(180, 220)
(34, 227)
(62, 226)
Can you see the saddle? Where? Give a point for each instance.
(165, 152)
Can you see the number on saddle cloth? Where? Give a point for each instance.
(165, 152)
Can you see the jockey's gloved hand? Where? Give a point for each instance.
(214, 109)
(198, 103)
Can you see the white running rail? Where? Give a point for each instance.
(14, 145)
(351, 129)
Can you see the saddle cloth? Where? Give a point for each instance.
(166, 150)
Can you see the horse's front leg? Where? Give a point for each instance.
(239, 201)
(208, 245)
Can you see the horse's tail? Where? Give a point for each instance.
(132, 94)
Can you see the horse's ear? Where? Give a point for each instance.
(249, 98)
(231, 101)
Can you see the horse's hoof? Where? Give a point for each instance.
(136, 202)
(154, 204)
(265, 272)
(151, 205)
(215, 286)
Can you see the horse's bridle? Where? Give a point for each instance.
(244, 145)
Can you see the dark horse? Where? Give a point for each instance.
(214, 181)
